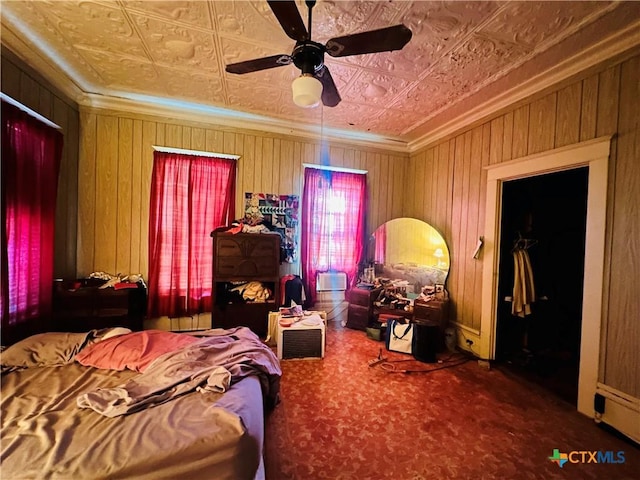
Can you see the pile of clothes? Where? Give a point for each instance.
(253, 292)
(119, 280)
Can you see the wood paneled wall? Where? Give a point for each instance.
(27, 87)
(447, 189)
(116, 158)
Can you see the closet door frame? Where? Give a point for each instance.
(593, 154)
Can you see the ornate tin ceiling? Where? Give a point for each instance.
(179, 49)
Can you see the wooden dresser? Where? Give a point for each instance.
(237, 259)
(79, 306)
(434, 313)
(361, 307)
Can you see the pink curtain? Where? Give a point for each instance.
(381, 243)
(31, 154)
(333, 224)
(190, 196)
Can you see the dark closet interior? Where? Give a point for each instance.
(545, 216)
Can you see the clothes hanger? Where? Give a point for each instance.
(522, 243)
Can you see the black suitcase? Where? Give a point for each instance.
(425, 341)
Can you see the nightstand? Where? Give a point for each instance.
(80, 306)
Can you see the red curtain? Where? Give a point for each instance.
(333, 224)
(190, 196)
(31, 154)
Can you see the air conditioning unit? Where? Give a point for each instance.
(301, 341)
(331, 282)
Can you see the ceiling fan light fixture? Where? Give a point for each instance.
(307, 91)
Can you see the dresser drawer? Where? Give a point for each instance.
(248, 246)
(362, 296)
(247, 255)
(246, 267)
(358, 317)
(434, 312)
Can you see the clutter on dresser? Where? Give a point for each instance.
(394, 295)
(119, 280)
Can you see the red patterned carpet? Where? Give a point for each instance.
(341, 419)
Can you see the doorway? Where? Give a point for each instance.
(593, 154)
(544, 217)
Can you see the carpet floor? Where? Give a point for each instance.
(341, 419)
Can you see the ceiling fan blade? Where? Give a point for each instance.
(330, 96)
(382, 40)
(259, 64)
(289, 17)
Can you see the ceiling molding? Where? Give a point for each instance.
(158, 107)
(617, 44)
(41, 64)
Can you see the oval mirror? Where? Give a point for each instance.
(409, 249)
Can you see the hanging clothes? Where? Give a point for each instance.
(524, 292)
(294, 292)
(283, 283)
(291, 290)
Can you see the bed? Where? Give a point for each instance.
(162, 406)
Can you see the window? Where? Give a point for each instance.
(191, 195)
(333, 224)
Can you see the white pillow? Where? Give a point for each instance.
(113, 332)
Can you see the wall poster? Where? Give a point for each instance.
(279, 211)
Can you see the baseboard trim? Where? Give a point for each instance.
(622, 411)
(467, 339)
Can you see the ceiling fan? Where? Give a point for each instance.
(315, 83)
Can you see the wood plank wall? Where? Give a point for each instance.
(27, 87)
(115, 173)
(447, 189)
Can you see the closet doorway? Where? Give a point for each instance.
(543, 218)
(593, 154)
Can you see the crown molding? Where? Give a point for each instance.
(159, 107)
(41, 64)
(608, 48)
